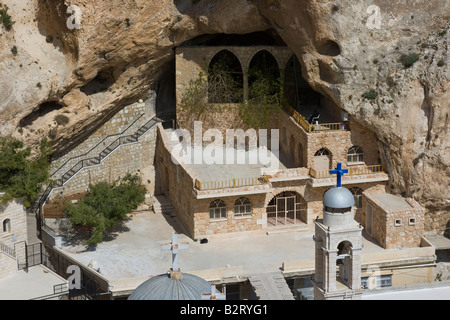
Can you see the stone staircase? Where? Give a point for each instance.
(162, 205)
(271, 286)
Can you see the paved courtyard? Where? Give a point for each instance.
(136, 251)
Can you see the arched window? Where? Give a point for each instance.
(225, 79)
(242, 207)
(217, 209)
(357, 194)
(355, 154)
(7, 226)
(322, 152)
(263, 77)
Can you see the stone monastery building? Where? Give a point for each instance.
(225, 198)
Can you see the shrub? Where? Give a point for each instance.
(14, 50)
(441, 63)
(370, 94)
(5, 18)
(106, 205)
(409, 59)
(22, 176)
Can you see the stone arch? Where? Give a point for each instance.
(263, 64)
(322, 159)
(6, 225)
(286, 208)
(225, 65)
(343, 261)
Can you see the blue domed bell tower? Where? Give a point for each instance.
(337, 246)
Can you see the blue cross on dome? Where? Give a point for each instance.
(339, 172)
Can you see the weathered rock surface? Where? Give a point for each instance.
(346, 47)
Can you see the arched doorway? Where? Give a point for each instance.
(322, 160)
(286, 209)
(225, 78)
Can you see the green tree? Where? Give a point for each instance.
(106, 205)
(22, 175)
(264, 98)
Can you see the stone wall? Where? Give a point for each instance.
(129, 158)
(395, 227)
(293, 137)
(191, 61)
(124, 122)
(15, 213)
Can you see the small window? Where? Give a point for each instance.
(384, 281)
(398, 222)
(217, 210)
(7, 226)
(242, 207)
(412, 221)
(357, 195)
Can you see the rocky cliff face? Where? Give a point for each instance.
(346, 47)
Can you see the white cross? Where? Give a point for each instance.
(175, 246)
(214, 295)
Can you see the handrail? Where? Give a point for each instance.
(231, 183)
(8, 250)
(337, 126)
(98, 159)
(352, 171)
(108, 136)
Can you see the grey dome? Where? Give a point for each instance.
(338, 198)
(163, 287)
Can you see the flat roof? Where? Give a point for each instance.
(390, 201)
(38, 281)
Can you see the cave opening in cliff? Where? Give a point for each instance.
(102, 82)
(42, 110)
(165, 105)
(260, 38)
(298, 93)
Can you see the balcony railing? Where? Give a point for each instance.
(314, 127)
(352, 171)
(231, 183)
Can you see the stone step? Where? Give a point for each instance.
(286, 229)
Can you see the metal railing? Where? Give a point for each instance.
(352, 171)
(98, 144)
(338, 126)
(231, 183)
(8, 250)
(96, 160)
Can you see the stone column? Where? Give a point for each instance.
(331, 271)
(355, 271)
(245, 71)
